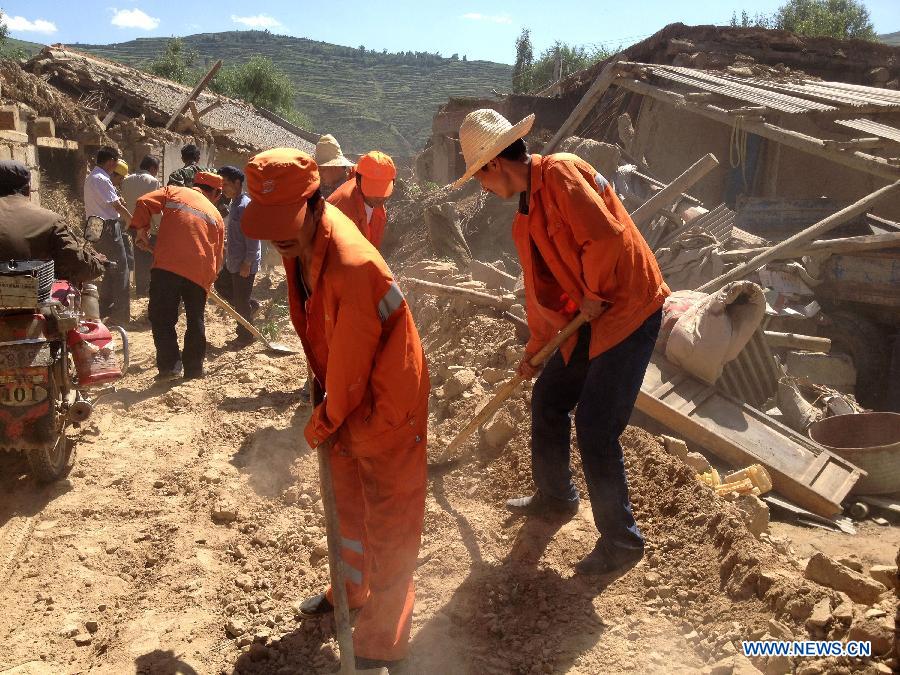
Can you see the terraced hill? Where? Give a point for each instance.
(366, 99)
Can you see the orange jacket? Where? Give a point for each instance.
(578, 241)
(360, 341)
(191, 239)
(349, 199)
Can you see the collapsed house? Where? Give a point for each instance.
(65, 104)
(745, 156)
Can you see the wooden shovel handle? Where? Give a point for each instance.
(505, 391)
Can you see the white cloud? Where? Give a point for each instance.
(133, 18)
(258, 21)
(21, 24)
(492, 18)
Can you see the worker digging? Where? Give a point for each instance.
(580, 252)
(364, 351)
(587, 364)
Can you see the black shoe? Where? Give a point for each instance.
(542, 506)
(609, 560)
(393, 667)
(194, 375)
(317, 605)
(169, 375)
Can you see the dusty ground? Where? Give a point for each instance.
(192, 515)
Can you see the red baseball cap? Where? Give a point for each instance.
(378, 173)
(279, 182)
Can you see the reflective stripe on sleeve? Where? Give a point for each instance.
(390, 303)
(178, 206)
(601, 182)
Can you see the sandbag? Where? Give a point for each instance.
(714, 330)
(691, 260)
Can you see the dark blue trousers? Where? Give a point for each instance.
(602, 391)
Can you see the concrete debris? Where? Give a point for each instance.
(885, 574)
(697, 462)
(755, 512)
(879, 632)
(499, 431)
(828, 572)
(458, 382)
(821, 614)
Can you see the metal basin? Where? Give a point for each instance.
(869, 440)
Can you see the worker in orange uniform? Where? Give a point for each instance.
(362, 197)
(187, 257)
(580, 251)
(364, 351)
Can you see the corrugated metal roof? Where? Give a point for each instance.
(872, 127)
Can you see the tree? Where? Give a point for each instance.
(521, 75)
(758, 20)
(259, 82)
(571, 59)
(832, 18)
(840, 19)
(176, 62)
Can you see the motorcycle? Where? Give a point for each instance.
(57, 359)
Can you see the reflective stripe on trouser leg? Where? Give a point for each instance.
(349, 498)
(394, 488)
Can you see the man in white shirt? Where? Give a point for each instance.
(134, 186)
(102, 200)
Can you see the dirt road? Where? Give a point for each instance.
(190, 528)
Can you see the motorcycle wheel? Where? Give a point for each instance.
(51, 463)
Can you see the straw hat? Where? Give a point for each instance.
(328, 152)
(484, 134)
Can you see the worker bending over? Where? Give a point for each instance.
(363, 349)
(579, 251)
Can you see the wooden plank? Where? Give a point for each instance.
(809, 475)
(111, 114)
(576, 117)
(801, 238)
(794, 341)
(857, 159)
(672, 192)
(868, 242)
(195, 92)
(208, 109)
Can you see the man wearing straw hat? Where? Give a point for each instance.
(579, 251)
(334, 168)
(361, 343)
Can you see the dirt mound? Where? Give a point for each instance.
(191, 528)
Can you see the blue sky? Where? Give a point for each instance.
(478, 29)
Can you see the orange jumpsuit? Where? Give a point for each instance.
(361, 343)
(191, 239)
(349, 199)
(577, 241)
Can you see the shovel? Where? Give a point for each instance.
(279, 347)
(504, 392)
(333, 534)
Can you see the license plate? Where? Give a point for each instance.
(23, 389)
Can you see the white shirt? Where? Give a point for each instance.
(369, 211)
(99, 195)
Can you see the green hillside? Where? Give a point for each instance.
(28, 49)
(366, 99)
(890, 38)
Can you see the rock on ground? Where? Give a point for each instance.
(828, 572)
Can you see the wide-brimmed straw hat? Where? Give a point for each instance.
(483, 135)
(279, 182)
(328, 152)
